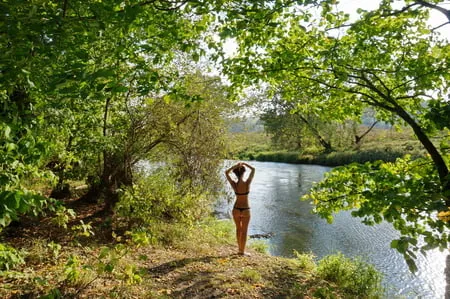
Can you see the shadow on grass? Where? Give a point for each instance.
(195, 277)
(168, 267)
(285, 282)
(209, 277)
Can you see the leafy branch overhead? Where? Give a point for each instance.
(389, 60)
(89, 88)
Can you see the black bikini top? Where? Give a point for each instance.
(246, 193)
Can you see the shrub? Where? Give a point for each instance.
(206, 234)
(343, 158)
(259, 246)
(305, 260)
(9, 257)
(160, 198)
(161, 207)
(354, 276)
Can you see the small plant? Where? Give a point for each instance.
(72, 269)
(77, 275)
(139, 238)
(131, 275)
(63, 216)
(41, 251)
(354, 276)
(250, 275)
(83, 229)
(9, 257)
(55, 249)
(37, 253)
(305, 260)
(259, 246)
(53, 294)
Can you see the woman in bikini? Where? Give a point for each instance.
(241, 208)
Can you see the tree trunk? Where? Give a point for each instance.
(432, 150)
(327, 145)
(359, 138)
(116, 174)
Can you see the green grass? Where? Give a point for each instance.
(330, 159)
(202, 264)
(381, 144)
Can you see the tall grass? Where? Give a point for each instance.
(331, 159)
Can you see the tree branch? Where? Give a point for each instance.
(65, 8)
(358, 138)
(444, 11)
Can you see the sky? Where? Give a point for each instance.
(351, 6)
(436, 18)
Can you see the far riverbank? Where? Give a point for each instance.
(332, 159)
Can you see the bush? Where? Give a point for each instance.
(331, 159)
(352, 275)
(160, 197)
(343, 158)
(305, 260)
(161, 206)
(206, 235)
(9, 257)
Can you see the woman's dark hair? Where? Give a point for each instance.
(239, 171)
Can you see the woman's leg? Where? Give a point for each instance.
(245, 220)
(237, 222)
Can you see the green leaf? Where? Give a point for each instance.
(3, 220)
(120, 88)
(7, 132)
(104, 252)
(109, 267)
(10, 147)
(394, 244)
(103, 73)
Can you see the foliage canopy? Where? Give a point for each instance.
(389, 60)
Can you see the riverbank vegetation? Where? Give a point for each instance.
(382, 144)
(168, 259)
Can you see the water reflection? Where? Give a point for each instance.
(276, 208)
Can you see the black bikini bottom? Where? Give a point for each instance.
(241, 209)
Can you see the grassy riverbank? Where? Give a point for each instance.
(385, 145)
(195, 262)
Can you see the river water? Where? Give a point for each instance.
(276, 208)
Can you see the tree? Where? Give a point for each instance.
(293, 129)
(182, 130)
(388, 60)
(68, 71)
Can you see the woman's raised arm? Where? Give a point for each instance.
(227, 174)
(252, 172)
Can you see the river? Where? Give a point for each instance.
(276, 208)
